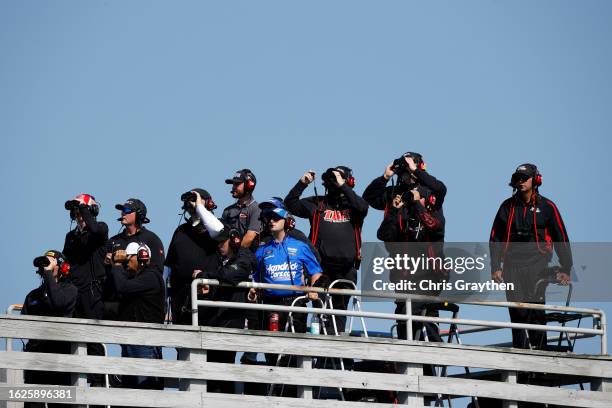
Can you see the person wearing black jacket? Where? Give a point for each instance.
(140, 288)
(335, 226)
(237, 264)
(527, 229)
(84, 247)
(412, 213)
(133, 216)
(192, 249)
(56, 297)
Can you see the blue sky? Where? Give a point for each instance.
(149, 99)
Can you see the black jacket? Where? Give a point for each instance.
(85, 250)
(190, 249)
(380, 197)
(56, 299)
(536, 227)
(141, 294)
(233, 270)
(121, 241)
(51, 298)
(414, 223)
(335, 222)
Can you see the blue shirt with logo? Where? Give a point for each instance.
(274, 258)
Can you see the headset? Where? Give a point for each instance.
(62, 263)
(537, 177)
(249, 182)
(418, 160)
(87, 199)
(347, 172)
(143, 254)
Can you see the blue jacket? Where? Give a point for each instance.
(273, 261)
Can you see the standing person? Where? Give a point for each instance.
(283, 260)
(237, 264)
(84, 247)
(57, 297)
(141, 291)
(527, 229)
(413, 217)
(335, 227)
(412, 213)
(192, 248)
(243, 215)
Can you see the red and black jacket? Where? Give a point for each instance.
(538, 223)
(335, 222)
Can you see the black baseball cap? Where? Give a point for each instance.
(135, 205)
(224, 234)
(203, 193)
(242, 176)
(527, 169)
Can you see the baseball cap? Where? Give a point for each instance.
(54, 253)
(241, 176)
(135, 205)
(224, 234)
(274, 202)
(527, 169)
(132, 248)
(203, 193)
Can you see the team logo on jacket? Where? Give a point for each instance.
(292, 251)
(337, 216)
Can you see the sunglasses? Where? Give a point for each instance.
(270, 215)
(126, 210)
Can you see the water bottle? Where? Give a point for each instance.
(315, 325)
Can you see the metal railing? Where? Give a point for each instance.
(599, 317)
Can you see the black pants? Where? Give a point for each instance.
(336, 271)
(525, 278)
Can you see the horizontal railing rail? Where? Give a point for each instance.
(599, 317)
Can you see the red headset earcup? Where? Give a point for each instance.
(350, 181)
(64, 269)
(538, 180)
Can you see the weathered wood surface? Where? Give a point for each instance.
(175, 399)
(338, 347)
(413, 384)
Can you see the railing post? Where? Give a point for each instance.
(192, 384)
(79, 379)
(510, 378)
(412, 399)
(408, 307)
(603, 321)
(304, 362)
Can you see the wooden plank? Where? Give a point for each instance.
(163, 399)
(99, 331)
(515, 392)
(510, 377)
(209, 371)
(413, 372)
(412, 352)
(333, 346)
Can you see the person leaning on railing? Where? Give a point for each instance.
(56, 296)
(141, 292)
(237, 264)
(283, 260)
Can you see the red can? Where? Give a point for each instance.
(273, 322)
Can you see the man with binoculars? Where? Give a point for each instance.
(192, 248)
(56, 296)
(335, 226)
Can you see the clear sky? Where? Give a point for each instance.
(148, 99)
